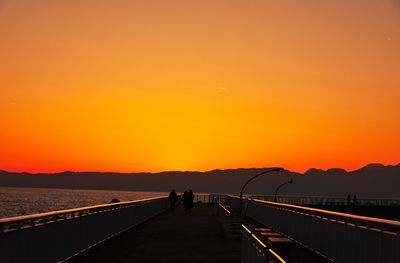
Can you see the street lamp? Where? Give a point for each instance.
(279, 187)
(248, 181)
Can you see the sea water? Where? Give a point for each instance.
(17, 201)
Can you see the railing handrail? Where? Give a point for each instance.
(272, 253)
(73, 210)
(339, 214)
(327, 197)
(67, 233)
(365, 219)
(224, 208)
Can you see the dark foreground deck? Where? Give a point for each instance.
(170, 237)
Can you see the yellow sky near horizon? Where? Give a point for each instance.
(196, 85)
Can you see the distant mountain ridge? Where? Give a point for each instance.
(370, 181)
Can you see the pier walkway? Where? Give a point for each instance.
(170, 237)
(146, 231)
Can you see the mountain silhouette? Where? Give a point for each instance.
(371, 181)
(314, 171)
(336, 171)
(371, 168)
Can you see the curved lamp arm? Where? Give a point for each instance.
(248, 181)
(279, 187)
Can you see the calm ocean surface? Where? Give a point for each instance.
(15, 201)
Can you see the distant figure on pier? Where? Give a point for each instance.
(185, 199)
(354, 200)
(190, 201)
(348, 199)
(115, 200)
(173, 197)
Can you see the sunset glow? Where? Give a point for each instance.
(130, 86)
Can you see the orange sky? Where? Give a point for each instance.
(147, 85)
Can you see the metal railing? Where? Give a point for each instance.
(209, 198)
(231, 223)
(321, 200)
(56, 236)
(255, 251)
(217, 198)
(223, 215)
(339, 236)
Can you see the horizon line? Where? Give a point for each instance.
(206, 171)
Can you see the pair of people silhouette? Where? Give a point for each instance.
(187, 199)
(355, 202)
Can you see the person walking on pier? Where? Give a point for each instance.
(173, 197)
(185, 199)
(355, 200)
(190, 201)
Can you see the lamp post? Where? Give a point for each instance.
(279, 187)
(248, 181)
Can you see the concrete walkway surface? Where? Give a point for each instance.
(170, 237)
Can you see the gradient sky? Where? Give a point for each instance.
(147, 85)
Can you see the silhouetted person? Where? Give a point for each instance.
(348, 199)
(185, 199)
(173, 197)
(190, 201)
(354, 199)
(115, 200)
